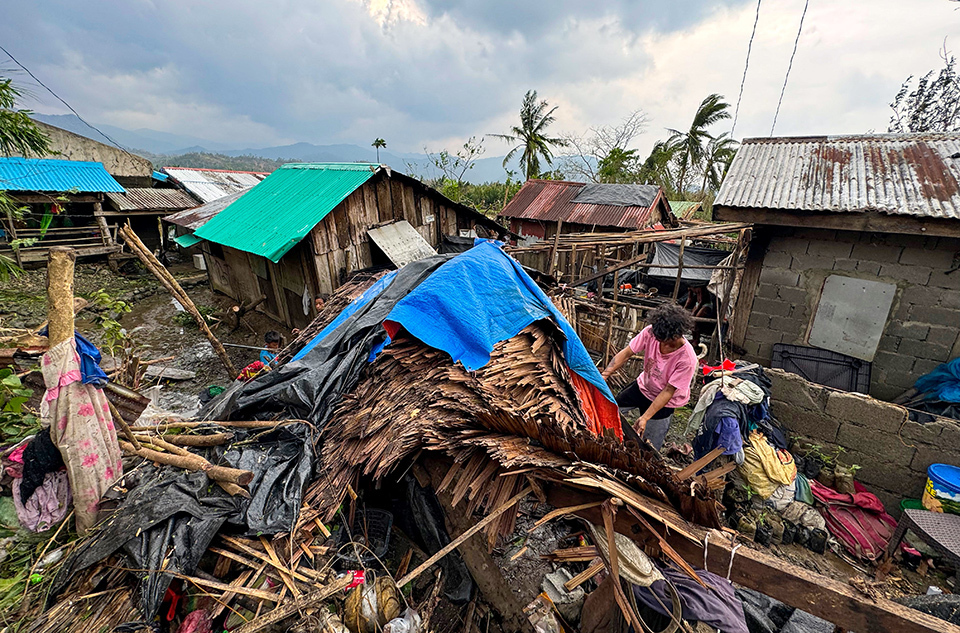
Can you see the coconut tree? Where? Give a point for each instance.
(531, 136)
(656, 169)
(717, 158)
(692, 144)
(378, 143)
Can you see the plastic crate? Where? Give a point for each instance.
(823, 367)
(371, 528)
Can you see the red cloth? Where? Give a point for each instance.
(858, 521)
(601, 413)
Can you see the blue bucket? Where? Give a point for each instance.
(942, 492)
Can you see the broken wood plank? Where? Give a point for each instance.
(463, 537)
(692, 469)
(583, 576)
(288, 609)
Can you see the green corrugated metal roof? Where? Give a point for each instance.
(680, 208)
(187, 240)
(276, 214)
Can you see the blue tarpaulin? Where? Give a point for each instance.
(943, 383)
(478, 299)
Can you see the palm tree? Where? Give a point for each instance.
(655, 170)
(378, 143)
(530, 135)
(717, 158)
(692, 144)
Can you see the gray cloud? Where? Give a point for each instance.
(428, 72)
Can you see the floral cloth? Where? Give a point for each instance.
(80, 424)
(47, 505)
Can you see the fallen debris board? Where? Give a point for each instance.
(401, 243)
(851, 316)
(169, 373)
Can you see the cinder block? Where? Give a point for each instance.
(937, 258)
(916, 433)
(891, 362)
(767, 335)
(759, 320)
(779, 276)
(865, 411)
(885, 474)
(777, 259)
(945, 336)
(923, 366)
(791, 389)
(950, 299)
(919, 275)
(889, 343)
(949, 438)
(794, 296)
(789, 326)
(844, 265)
(767, 291)
(807, 262)
(941, 279)
(927, 455)
(883, 253)
(805, 422)
(833, 250)
(773, 307)
(922, 349)
(792, 245)
(921, 295)
(908, 330)
(939, 316)
(868, 267)
(883, 446)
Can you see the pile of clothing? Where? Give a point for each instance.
(770, 499)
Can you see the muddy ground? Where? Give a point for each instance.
(152, 324)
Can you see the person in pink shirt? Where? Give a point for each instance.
(669, 364)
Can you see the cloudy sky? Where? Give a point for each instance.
(433, 72)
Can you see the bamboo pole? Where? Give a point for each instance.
(165, 278)
(191, 462)
(60, 264)
(676, 285)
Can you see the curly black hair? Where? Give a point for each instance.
(670, 321)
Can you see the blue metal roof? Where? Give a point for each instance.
(42, 174)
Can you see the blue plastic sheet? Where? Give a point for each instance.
(943, 383)
(89, 360)
(478, 299)
(348, 312)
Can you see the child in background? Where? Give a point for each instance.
(272, 342)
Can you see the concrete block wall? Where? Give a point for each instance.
(893, 452)
(923, 328)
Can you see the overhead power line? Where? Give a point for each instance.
(746, 65)
(61, 100)
(787, 76)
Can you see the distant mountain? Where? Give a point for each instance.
(163, 148)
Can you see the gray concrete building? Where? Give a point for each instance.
(856, 250)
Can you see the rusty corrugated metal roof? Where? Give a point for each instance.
(553, 200)
(196, 217)
(147, 199)
(209, 184)
(898, 174)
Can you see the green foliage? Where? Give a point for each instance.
(16, 422)
(211, 160)
(19, 135)
(933, 106)
(691, 145)
(531, 136)
(378, 143)
(618, 166)
(185, 319)
(107, 318)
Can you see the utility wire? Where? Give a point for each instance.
(746, 64)
(59, 98)
(787, 76)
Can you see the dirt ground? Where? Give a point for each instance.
(152, 324)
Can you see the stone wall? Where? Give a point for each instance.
(924, 322)
(894, 452)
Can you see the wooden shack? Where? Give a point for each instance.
(304, 230)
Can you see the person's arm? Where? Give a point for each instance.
(617, 362)
(658, 403)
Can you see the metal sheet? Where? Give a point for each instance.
(149, 199)
(209, 184)
(899, 174)
(42, 174)
(401, 243)
(552, 200)
(851, 316)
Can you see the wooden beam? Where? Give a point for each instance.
(748, 289)
(60, 294)
(659, 236)
(33, 198)
(867, 221)
(823, 597)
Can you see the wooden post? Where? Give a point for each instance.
(105, 235)
(676, 286)
(553, 251)
(165, 278)
(13, 234)
(60, 263)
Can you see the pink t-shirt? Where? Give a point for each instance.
(659, 370)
